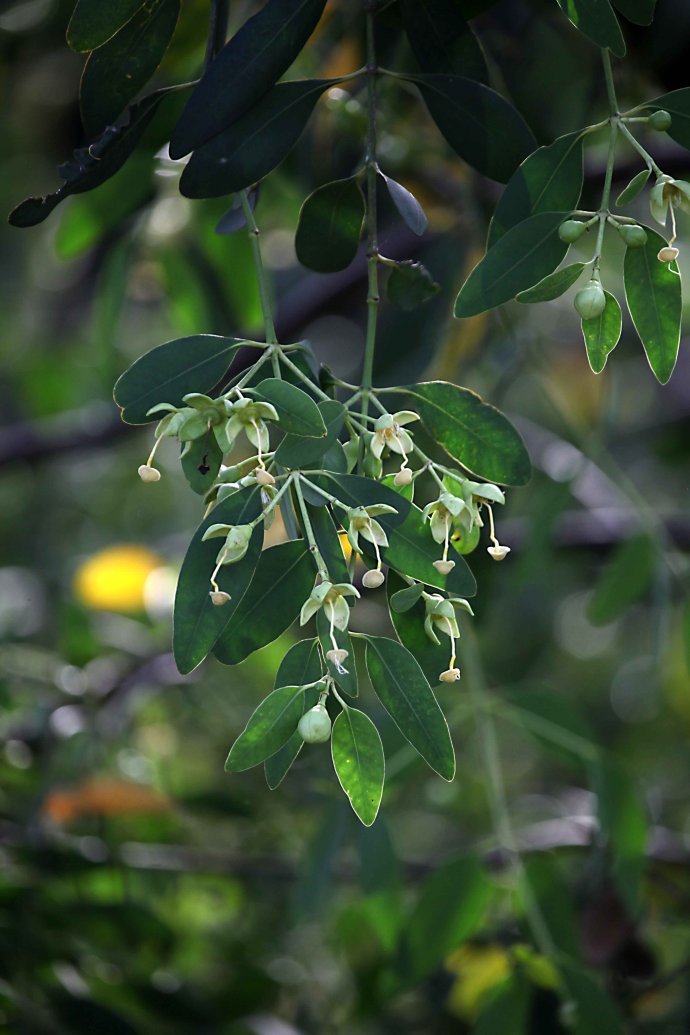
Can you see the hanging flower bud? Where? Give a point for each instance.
(337, 657)
(667, 254)
(373, 579)
(444, 567)
(497, 551)
(590, 301)
(264, 477)
(315, 725)
(219, 597)
(403, 477)
(149, 474)
(451, 675)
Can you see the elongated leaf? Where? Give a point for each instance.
(346, 675)
(170, 371)
(297, 411)
(279, 764)
(91, 166)
(404, 692)
(201, 462)
(282, 582)
(302, 664)
(117, 71)
(550, 180)
(451, 907)
(640, 12)
(410, 284)
(521, 258)
(506, 1009)
(635, 187)
(330, 226)
(296, 451)
(475, 434)
(596, 19)
(479, 124)
(409, 627)
(245, 70)
(602, 333)
(358, 762)
(677, 103)
(407, 205)
(197, 623)
(596, 1013)
(625, 579)
(406, 597)
(93, 22)
(255, 144)
(269, 727)
(441, 39)
(653, 294)
(553, 286)
(328, 542)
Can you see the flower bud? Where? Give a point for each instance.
(337, 657)
(403, 477)
(264, 477)
(315, 725)
(633, 235)
(571, 230)
(667, 254)
(149, 474)
(660, 120)
(444, 567)
(498, 552)
(451, 675)
(373, 579)
(590, 301)
(218, 597)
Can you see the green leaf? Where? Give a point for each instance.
(404, 692)
(625, 579)
(171, 371)
(507, 1008)
(255, 144)
(441, 39)
(624, 827)
(474, 433)
(358, 762)
(201, 462)
(330, 226)
(411, 211)
(197, 623)
(297, 411)
(406, 597)
(269, 727)
(295, 451)
(302, 664)
(451, 907)
(549, 180)
(553, 286)
(653, 294)
(282, 582)
(347, 680)
(409, 628)
(636, 185)
(118, 70)
(677, 104)
(410, 284)
(479, 124)
(522, 257)
(328, 542)
(596, 1012)
(640, 12)
(596, 19)
(91, 166)
(245, 70)
(279, 764)
(94, 22)
(602, 333)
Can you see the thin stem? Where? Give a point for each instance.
(648, 160)
(606, 192)
(610, 87)
(322, 492)
(266, 309)
(372, 233)
(309, 532)
(274, 502)
(301, 375)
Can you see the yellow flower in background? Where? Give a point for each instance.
(478, 969)
(114, 579)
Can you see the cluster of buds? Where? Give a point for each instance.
(456, 515)
(237, 538)
(332, 599)
(665, 197)
(361, 521)
(440, 618)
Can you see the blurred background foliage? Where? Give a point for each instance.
(144, 890)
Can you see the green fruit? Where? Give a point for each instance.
(571, 230)
(591, 300)
(634, 236)
(315, 725)
(660, 120)
(466, 542)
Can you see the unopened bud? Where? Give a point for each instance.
(667, 254)
(571, 230)
(403, 477)
(444, 567)
(149, 474)
(451, 675)
(498, 552)
(219, 597)
(315, 725)
(660, 120)
(337, 656)
(590, 301)
(373, 579)
(633, 235)
(264, 477)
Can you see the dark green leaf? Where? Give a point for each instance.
(346, 680)
(269, 727)
(297, 411)
(254, 145)
(295, 451)
(410, 284)
(550, 180)
(335, 459)
(640, 12)
(596, 1013)
(475, 434)
(405, 598)
(479, 124)
(117, 71)
(93, 22)
(278, 765)
(636, 185)
(522, 257)
(330, 226)
(282, 582)
(198, 623)
(407, 205)
(596, 19)
(451, 907)
(626, 578)
(93, 165)
(201, 462)
(358, 761)
(170, 371)
(328, 542)
(677, 104)
(245, 70)
(553, 286)
(624, 827)
(601, 333)
(653, 293)
(409, 627)
(506, 1009)
(302, 664)
(441, 39)
(404, 692)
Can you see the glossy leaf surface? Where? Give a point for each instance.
(359, 763)
(330, 226)
(441, 39)
(602, 333)
(410, 210)
(297, 411)
(93, 22)
(269, 727)
(597, 20)
(296, 451)
(653, 294)
(553, 286)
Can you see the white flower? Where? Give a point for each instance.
(389, 433)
